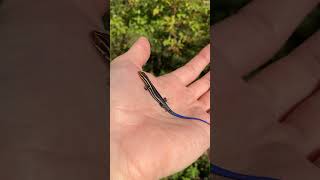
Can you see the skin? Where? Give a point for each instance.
(267, 125)
(145, 141)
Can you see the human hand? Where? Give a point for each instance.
(269, 124)
(145, 141)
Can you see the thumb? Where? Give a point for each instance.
(139, 52)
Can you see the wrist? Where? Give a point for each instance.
(117, 175)
(121, 167)
(116, 170)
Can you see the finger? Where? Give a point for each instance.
(205, 100)
(189, 72)
(291, 79)
(305, 119)
(139, 52)
(252, 36)
(200, 86)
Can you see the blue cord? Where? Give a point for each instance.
(236, 176)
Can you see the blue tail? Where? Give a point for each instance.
(191, 118)
(236, 176)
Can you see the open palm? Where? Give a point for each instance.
(146, 141)
(268, 124)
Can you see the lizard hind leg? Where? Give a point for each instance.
(163, 107)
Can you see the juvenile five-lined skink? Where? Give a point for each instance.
(161, 100)
(101, 42)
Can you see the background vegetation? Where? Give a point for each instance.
(176, 29)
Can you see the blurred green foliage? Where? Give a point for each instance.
(198, 170)
(176, 29)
